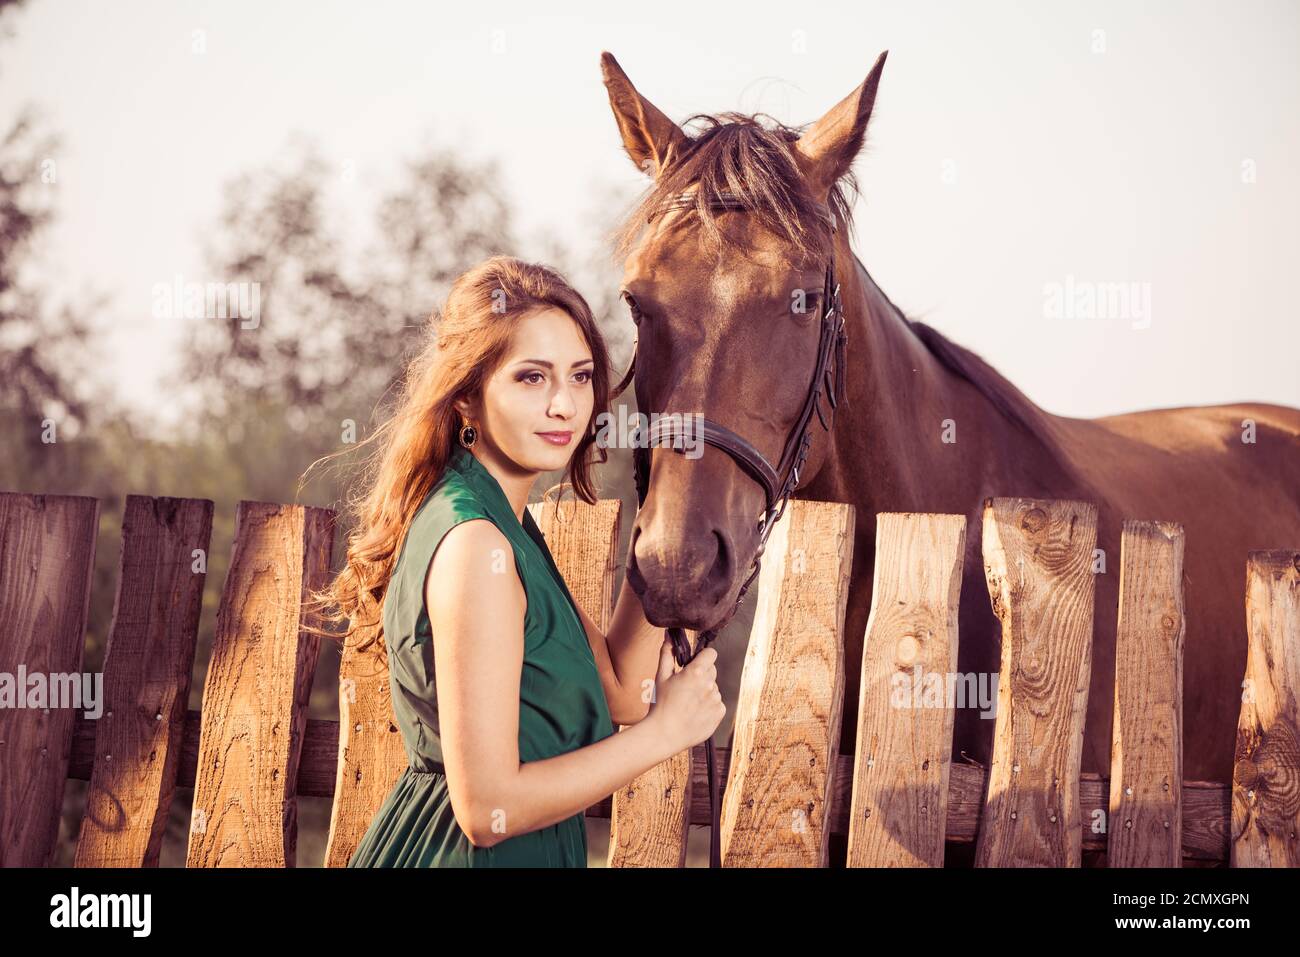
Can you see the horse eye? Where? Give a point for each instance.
(632, 307)
(812, 305)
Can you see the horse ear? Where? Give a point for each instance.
(649, 137)
(828, 148)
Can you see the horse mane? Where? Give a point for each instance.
(1013, 404)
(993, 385)
(736, 154)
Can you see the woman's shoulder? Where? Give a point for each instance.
(470, 568)
(451, 501)
(450, 504)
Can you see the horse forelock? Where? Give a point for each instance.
(736, 154)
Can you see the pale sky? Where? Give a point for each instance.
(1013, 146)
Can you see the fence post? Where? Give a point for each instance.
(1038, 564)
(139, 735)
(370, 752)
(1145, 819)
(255, 698)
(47, 558)
(776, 807)
(1265, 779)
(905, 719)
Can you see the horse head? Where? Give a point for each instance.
(728, 278)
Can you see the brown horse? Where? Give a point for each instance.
(711, 291)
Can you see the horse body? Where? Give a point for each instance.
(1191, 466)
(711, 293)
(908, 386)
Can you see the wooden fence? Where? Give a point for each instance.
(251, 750)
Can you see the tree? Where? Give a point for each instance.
(44, 390)
(330, 336)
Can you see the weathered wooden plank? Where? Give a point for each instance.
(1146, 767)
(787, 730)
(1266, 771)
(583, 540)
(905, 716)
(47, 558)
(650, 817)
(147, 667)
(370, 755)
(1038, 565)
(258, 683)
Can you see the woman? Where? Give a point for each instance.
(511, 736)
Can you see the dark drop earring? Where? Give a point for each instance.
(468, 435)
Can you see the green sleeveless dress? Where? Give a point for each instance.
(562, 705)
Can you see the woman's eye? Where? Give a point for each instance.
(586, 376)
(528, 377)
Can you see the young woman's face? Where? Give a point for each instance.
(543, 386)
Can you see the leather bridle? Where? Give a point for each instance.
(778, 483)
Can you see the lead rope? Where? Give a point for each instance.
(683, 652)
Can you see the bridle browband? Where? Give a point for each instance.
(778, 483)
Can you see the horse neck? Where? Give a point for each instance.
(886, 450)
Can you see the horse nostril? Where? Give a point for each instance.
(723, 563)
(630, 560)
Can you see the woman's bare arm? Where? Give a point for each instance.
(627, 657)
(477, 614)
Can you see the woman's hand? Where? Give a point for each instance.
(687, 706)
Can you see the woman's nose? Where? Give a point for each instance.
(562, 402)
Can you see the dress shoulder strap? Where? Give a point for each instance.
(449, 503)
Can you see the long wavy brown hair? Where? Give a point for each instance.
(466, 341)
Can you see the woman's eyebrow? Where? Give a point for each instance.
(551, 365)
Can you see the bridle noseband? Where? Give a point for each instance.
(778, 483)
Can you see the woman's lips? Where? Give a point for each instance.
(557, 438)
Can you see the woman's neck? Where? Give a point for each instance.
(516, 485)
